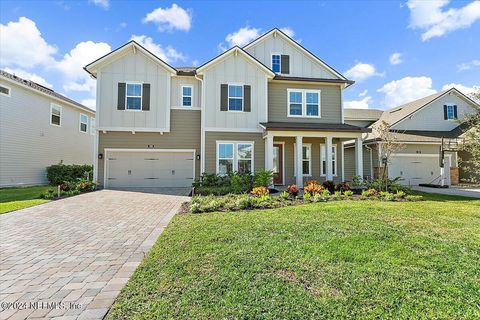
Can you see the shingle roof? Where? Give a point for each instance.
(362, 114)
(38, 87)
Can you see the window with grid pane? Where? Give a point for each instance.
(235, 98)
(187, 96)
(134, 96)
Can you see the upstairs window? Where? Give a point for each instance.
(5, 91)
(55, 115)
(450, 112)
(83, 123)
(134, 96)
(276, 64)
(235, 98)
(187, 96)
(303, 103)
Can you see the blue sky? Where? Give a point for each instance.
(395, 50)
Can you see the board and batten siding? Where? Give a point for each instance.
(211, 139)
(330, 102)
(431, 117)
(176, 91)
(235, 69)
(185, 134)
(301, 65)
(136, 68)
(29, 143)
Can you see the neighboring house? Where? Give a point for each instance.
(269, 105)
(420, 126)
(38, 128)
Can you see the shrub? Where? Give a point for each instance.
(240, 182)
(218, 191)
(318, 197)
(260, 191)
(293, 190)
(84, 185)
(307, 196)
(369, 193)
(357, 181)
(329, 185)
(400, 194)
(326, 193)
(348, 193)
(312, 187)
(413, 198)
(343, 186)
(59, 173)
(284, 195)
(263, 178)
(245, 202)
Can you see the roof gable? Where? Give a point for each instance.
(130, 47)
(277, 32)
(236, 50)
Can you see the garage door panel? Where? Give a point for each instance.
(415, 170)
(149, 169)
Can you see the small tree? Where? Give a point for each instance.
(472, 139)
(389, 144)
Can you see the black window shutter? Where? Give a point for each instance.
(146, 96)
(285, 64)
(121, 96)
(445, 115)
(455, 112)
(247, 98)
(224, 97)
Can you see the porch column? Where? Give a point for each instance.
(269, 152)
(299, 157)
(358, 157)
(328, 158)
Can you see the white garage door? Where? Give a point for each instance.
(418, 169)
(148, 169)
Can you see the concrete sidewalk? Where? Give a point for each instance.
(453, 191)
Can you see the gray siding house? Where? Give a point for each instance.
(38, 128)
(269, 105)
(424, 127)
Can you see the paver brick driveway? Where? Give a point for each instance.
(70, 258)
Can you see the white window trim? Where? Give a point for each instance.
(127, 96)
(271, 62)
(309, 145)
(235, 154)
(182, 96)
(322, 154)
(52, 105)
(93, 126)
(9, 94)
(453, 111)
(80, 123)
(304, 103)
(228, 95)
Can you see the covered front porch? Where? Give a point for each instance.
(296, 153)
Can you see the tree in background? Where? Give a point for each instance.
(389, 145)
(472, 139)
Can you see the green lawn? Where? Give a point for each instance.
(335, 260)
(18, 198)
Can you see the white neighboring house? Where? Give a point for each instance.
(38, 128)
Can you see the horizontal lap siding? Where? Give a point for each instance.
(330, 102)
(211, 148)
(185, 134)
(350, 163)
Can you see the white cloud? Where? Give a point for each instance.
(242, 36)
(171, 18)
(363, 93)
(398, 92)
(91, 103)
(21, 44)
(395, 58)
(361, 71)
(29, 76)
(464, 89)
(469, 65)
(358, 104)
(195, 62)
(288, 31)
(101, 3)
(71, 66)
(169, 54)
(430, 17)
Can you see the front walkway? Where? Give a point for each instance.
(454, 191)
(72, 257)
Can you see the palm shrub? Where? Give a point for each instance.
(263, 178)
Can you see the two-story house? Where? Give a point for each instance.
(269, 105)
(429, 131)
(38, 128)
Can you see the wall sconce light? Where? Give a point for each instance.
(100, 156)
(198, 157)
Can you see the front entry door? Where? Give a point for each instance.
(278, 164)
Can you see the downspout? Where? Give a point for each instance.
(202, 127)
